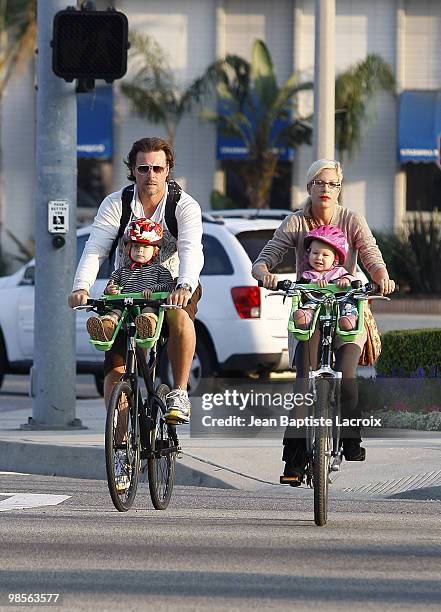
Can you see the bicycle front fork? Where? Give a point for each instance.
(334, 379)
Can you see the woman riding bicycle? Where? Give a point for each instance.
(323, 183)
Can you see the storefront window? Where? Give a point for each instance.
(423, 187)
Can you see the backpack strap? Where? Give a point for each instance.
(173, 197)
(126, 199)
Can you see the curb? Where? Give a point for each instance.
(82, 462)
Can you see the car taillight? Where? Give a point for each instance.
(247, 301)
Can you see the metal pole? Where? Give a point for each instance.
(53, 376)
(324, 80)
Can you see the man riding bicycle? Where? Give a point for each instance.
(149, 163)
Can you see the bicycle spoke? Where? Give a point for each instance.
(122, 447)
(161, 465)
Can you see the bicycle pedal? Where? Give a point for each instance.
(336, 464)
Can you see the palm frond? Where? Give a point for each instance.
(262, 75)
(297, 133)
(354, 90)
(19, 20)
(149, 105)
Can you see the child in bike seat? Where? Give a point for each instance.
(326, 249)
(140, 272)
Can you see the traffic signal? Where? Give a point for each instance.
(90, 44)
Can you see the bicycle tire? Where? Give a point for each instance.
(321, 457)
(161, 469)
(122, 500)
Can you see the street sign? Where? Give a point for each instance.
(58, 216)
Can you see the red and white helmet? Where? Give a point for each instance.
(332, 235)
(143, 231)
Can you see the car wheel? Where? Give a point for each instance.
(99, 383)
(201, 367)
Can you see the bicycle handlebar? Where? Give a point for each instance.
(122, 300)
(356, 290)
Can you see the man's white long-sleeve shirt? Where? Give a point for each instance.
(185, 266)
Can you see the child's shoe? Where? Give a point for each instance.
(347, 322)
(303, 318)
(146, 325)
(101, 328)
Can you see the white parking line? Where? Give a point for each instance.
(20, 501)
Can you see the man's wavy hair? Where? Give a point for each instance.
(148, 145)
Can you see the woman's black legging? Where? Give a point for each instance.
(305, 359)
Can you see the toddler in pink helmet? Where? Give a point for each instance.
(327, 247)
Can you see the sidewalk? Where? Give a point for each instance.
(394, 466)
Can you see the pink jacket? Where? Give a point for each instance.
(314, 275)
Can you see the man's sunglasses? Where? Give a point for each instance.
(144, 169)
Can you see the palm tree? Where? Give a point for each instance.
(354, 88)
(18, 29)
(250, 104)
(153, 92)
(263, 114)
(18, 35)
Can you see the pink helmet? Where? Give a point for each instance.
(332, 235)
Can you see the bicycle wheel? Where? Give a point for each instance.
(161, 464)
(321, 454)
(122, 447)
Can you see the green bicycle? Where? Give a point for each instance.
(323, 441)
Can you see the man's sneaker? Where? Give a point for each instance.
(178, 407)
(146, 325)
(121, 469)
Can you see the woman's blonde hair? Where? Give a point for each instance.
(322, 164)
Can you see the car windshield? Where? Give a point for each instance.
(253, 242)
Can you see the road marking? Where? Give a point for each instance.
(14, 474)
(20, 501)
(399, 485)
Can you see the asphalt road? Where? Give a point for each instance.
(218, 550)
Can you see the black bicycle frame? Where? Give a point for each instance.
(327, 324)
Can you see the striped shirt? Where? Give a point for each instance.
(151, 276)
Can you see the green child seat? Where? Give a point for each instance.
(144, 343)
(305, 334)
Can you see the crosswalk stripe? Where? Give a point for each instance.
(20, 501)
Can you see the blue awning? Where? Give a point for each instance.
(420, 126)
(94, 120)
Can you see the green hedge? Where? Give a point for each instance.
(413, 352)
(429, 421)
(413, 255)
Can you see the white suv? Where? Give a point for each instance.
(238, 330)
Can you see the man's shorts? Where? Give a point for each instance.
(116, 356)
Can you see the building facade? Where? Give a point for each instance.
(388, 178)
